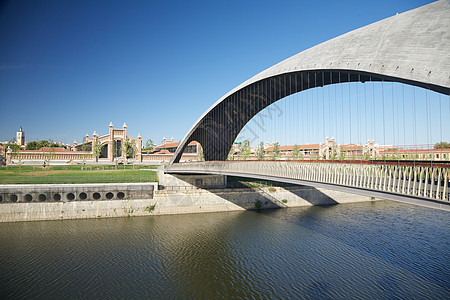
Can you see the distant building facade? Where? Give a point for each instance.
(171, 147)
(332, 151)
(113, 144)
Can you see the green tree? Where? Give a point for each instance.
(129, 147)
(260, 151)
(149, 146)
(230, 153)
(33, 145)
(49, 155)
(442, 145)
(96, 150)
(36, 145)
(201, 156)
(87, 147)
(297, 153)
(245, 150)
(342, 154)
(14, 147)
(276, 154)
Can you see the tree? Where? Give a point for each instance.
(201, 156)
(96, 150)
(245, 149)
(442, 145)
(296, 152)
(14, 147)
(87, 147)
(230, 153)
(276, 151)
(36, 145)
(342, 155)
(49, 155)
(149, 146)
(260, 151)
(129, 147)
(33, 145)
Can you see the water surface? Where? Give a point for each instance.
(363, 250)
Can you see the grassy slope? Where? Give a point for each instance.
(74, 174)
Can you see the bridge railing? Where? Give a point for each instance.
(418, 181)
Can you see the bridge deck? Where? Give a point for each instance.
(420, 185)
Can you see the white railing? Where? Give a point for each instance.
(417, 181)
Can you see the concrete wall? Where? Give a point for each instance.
(215, 200)
(75, 192)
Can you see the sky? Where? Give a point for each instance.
(68, 68)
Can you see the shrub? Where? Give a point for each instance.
(258, 204)
(150, 208)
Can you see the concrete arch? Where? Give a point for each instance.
(411, 47)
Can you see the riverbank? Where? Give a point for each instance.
(174, 201)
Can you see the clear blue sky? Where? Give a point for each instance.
(68, 68)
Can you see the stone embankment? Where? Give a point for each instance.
(60, 202)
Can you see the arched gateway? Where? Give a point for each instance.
(112, 144)
(411, 47)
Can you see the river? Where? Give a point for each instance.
(381, 250)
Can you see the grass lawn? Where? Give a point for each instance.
(74, 174)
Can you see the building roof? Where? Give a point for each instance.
(351, 147)
(291, 147)
(163, 151)
(174, 144)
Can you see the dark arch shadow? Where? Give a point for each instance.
(217, 130)
(396, 49)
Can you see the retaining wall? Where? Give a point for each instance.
(162, 202)
(22, 193)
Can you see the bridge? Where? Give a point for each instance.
(410, 49)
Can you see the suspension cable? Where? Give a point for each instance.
(349, 108)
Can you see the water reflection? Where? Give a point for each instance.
(366, 250)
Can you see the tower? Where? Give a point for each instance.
(20, 137)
